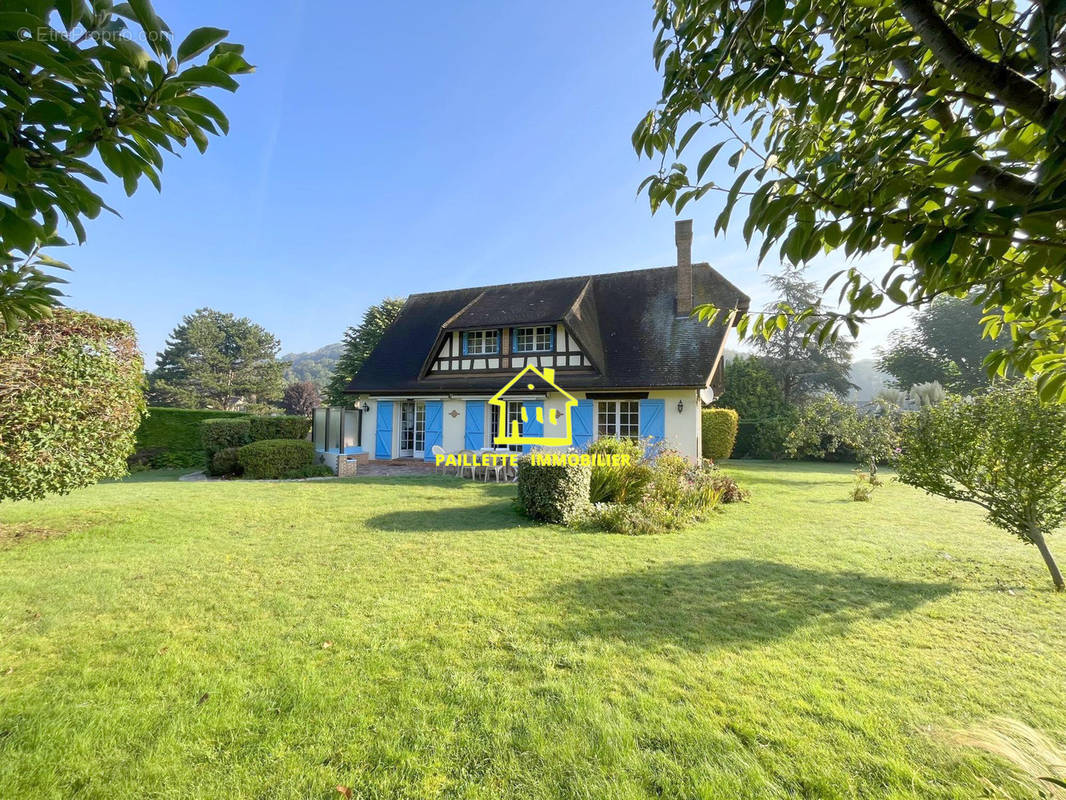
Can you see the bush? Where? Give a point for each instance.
(729, 489)
(553, 493)
(273, 458)
(224, 433)
(622, 483)
(829, 429)
(225, 463)
(765, 416)
(170, 437)
(646, 517)
(719, 433)
(314, 471)
(284, 427)
(71, 399)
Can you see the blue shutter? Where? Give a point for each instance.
(434, 427)
(530, 426)
(383, 439)
(653, 419)
(581, 424)
(474, 439)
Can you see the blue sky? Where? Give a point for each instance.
(379, 152)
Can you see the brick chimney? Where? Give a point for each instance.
(683, 239)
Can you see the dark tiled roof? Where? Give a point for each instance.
(625, 322)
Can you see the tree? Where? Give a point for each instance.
(1001, 449)
(800, 366)
(765, 417)
(71, 398)
(829, 429)
(216, 360)
(301, 398)
(80, 96)
(944, 345)
(934, 132)
(359, 342)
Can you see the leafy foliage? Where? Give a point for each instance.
(301, 398)
(225, 463)
(944, 345)
(765, 417)
(719, 433)
(170, 437)
(553, 493)
(221, 433)
(359, 342)
(294, 427)
(71, 398)
(801, 365)
(82, 96)
(935, 132)
(829, 429)
(216, 360)
(621, 483)
(1002, 450)
(274, 458)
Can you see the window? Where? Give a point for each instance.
(514, 414)
(481, 343)
(619, 418)
(534, 340)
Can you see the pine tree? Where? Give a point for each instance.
(359, 341)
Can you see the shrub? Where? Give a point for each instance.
(313, 471)
(171, 437)
(863, 489)
(719, 433)
(729, 489)
(553, 493)
(829, 429)
(71, 399)
(283, 427)
(272, 458)
(621, 483)
(225, 463)
(646, 517)
(224, 433)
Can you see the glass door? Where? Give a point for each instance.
(413, 430)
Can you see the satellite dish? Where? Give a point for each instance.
(707, 396)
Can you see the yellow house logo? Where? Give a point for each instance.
(513, 436)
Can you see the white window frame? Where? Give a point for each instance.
(476, 343)
(609, 418)
(534, 336)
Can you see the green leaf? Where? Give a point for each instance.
(199, 41)
(206, 76)
(706, 160)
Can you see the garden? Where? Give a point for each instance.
(402, 637)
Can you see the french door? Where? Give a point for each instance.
(413, 430)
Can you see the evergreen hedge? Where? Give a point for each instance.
(281, 427)
(275, 458)
(553, 493)
(170, 437)
(71, 399)
(719, 433)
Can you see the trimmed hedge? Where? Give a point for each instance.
(553, 493)
(223, 433)
(719, 433)
(287, 427)
(170, 437)
(274, 458)
(225, 464)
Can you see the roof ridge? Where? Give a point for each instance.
(587, 277)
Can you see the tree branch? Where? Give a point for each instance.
(1013, 89)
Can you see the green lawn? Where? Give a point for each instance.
(416, 638)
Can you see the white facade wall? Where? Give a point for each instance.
(682, 430)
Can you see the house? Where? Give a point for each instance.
(615, 354)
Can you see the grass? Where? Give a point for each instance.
(415, 638)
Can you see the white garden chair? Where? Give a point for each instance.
(439, 451)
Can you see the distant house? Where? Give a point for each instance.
(615, 354)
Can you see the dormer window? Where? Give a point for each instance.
(481, 343)
(534, 340)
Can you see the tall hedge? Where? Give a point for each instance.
(719, 433)
(170, 437)
(71, 398)
(281, 427)
(222, 433)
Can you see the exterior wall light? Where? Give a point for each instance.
(680, 406)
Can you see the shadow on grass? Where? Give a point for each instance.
(494, 517)
(152, 476)
(730, 603)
